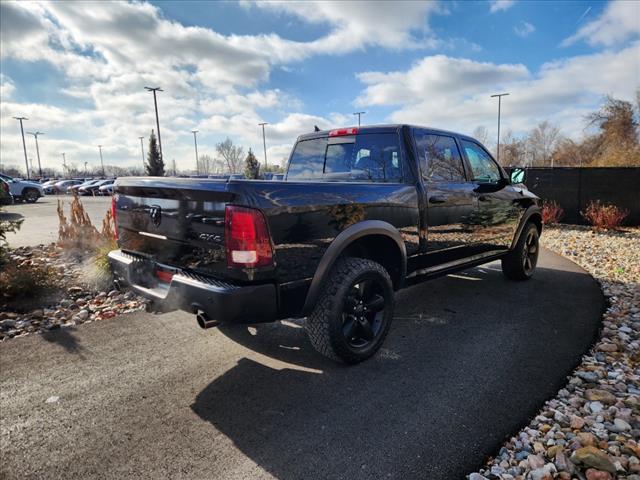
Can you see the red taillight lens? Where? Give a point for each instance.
(343, 131)
(246, 238)
(113, 215)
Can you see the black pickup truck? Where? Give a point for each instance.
(362, 212)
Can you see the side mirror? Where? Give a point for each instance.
(518, 175)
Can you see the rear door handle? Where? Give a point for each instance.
(436, 199)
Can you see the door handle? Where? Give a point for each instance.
(436, 199)
(483, 198)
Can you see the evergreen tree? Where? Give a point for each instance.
(251, 166)
(154, 165)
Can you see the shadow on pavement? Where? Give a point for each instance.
(469, 360)
(64, 337)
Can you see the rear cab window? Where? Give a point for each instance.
(369, 157)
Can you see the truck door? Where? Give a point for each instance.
(450, 199)
(497, 217)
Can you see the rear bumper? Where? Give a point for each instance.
(221, 301)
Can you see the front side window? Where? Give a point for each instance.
(483, 168)
(440, 158)
(366, 157)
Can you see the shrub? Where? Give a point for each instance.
(77, 233)
(603, 216)
(80, 237)
(25, 281)
(552, 213)
(7, 225)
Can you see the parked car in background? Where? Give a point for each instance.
(277, 177)
(23, 190)
(94, 189)
(5, 193)
(48, 185)
(88, 183)
(362, 212)
(63, 186)
(106, 189)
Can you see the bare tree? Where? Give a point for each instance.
(513, 150)
(542, 142)
(206, 164)
(481, 134)
(231, 154)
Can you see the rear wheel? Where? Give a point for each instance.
(354, 312)
(520, 263)
(30, 195)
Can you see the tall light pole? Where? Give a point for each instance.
(155, 104)
(195, 143)
(35, 135)
(24, 145)
(85, 168)
(142, 150)
(264, 143)
(499, 95)
(101, 161)
(64, 165)
(359, 114)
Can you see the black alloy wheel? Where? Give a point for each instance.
(530, 252)
(354, 311)
(363, 312)
(520, 263)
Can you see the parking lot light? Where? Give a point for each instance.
(24, 145)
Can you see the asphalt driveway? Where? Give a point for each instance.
(469, 359)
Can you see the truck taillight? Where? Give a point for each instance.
(247, 238)
(114, 198)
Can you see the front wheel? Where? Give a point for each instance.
(354, 312)
(520, 263)
(30, 195)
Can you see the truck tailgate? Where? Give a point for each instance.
(175, 221)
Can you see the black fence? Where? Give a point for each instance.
(574, 188)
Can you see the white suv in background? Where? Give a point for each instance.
(23, 190)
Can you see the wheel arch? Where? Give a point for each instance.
(531, 214)
(373, 239)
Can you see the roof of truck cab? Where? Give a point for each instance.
(383, 128)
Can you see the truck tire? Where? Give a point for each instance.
(520, 263)
(30, 195)
(354, 311)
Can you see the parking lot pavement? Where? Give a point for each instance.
(40, 224)
(468, 361)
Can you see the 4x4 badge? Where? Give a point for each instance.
(155, 213)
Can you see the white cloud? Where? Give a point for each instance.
(524, 29)
(107, 52)
(619, 22)
(354, 25)
(454, 93)
(435, 76)
(6, 88)
(500, 5)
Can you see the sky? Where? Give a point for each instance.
(78, 70)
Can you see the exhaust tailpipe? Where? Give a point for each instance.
(205, 322)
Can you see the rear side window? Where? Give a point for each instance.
(366, 158)
(440, 159)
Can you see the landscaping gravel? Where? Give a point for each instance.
(82, 295)
(592, 428)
